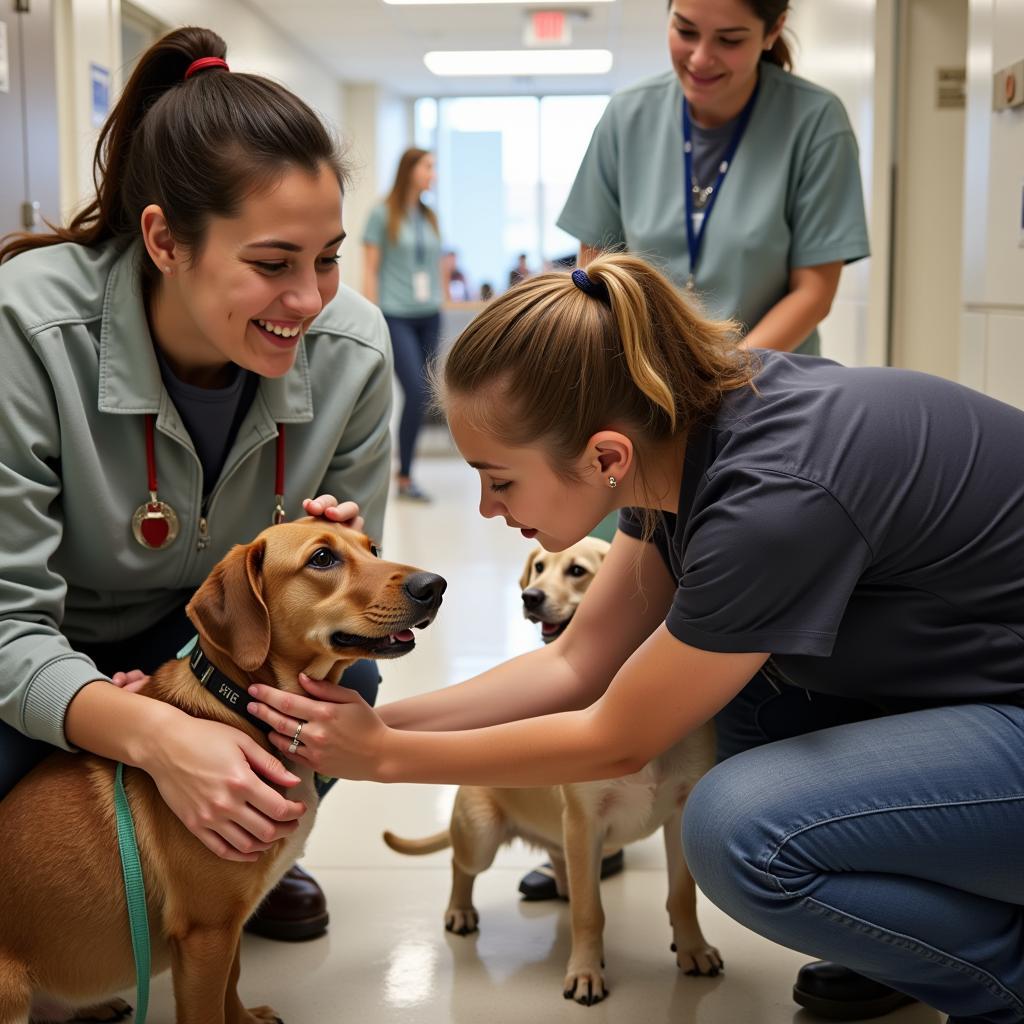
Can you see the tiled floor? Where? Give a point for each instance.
(387, 957)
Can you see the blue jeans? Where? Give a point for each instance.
(19, 755)
(894, 846)
(414, 342)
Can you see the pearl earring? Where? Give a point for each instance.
(612, 482)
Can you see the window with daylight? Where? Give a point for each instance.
(505, 165)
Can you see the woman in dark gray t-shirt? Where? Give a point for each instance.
(853, 534)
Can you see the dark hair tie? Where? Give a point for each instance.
(587, 285)
(203, 63)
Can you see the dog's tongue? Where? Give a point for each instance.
(547, 628)
(405, 636)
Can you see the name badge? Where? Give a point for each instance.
(421, 286)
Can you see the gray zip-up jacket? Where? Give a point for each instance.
(77, 375)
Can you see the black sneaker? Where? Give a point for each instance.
(539, 884)
(833, 991)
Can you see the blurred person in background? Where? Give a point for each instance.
(458, 287)
(404, 275)
(520, 272)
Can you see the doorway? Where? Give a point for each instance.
(30, 184)
(928, 208)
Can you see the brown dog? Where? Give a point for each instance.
(306, 596)
(579, 823)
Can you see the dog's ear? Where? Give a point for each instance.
(228, 609)
(524, 580)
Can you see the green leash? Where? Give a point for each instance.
(135, 893)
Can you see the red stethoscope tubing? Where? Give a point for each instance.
(155, 523)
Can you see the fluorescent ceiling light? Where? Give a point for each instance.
(440, 3)
(518, 62)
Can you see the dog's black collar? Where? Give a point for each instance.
(228, 692)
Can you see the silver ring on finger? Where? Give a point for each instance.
(294, 745)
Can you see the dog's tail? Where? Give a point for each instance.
(418, 847)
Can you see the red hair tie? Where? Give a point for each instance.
(203, 63)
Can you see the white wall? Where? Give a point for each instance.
(90, 31)
(378, 128)
(836, 49)
(992, 346)
(87, 32)
(257, 46)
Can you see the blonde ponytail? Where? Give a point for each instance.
(550, 364)
(629, 306)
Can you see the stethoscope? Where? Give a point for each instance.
(155, 524)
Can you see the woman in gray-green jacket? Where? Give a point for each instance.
(155, 353)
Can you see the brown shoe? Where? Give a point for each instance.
(293, 911)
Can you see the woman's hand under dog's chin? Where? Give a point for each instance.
(342, 736)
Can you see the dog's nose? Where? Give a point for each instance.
(533, 599)
(426, 588)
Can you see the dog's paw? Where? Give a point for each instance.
(699, 960)
(262, 1015)
(102, 1013)
(460, 921)
(586, 986)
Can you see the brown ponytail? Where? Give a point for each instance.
(399, 195)
(769, 11)
(547, 364)
(196, 148)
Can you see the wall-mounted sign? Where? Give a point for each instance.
(99, 92)
(950, 88)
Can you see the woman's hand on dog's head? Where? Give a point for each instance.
(344, 512)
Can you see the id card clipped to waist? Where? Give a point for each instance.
(421, 286)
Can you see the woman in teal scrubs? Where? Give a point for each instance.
(768, 236)
(402, 270)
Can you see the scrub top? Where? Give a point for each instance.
(791, 198)
(864, 525)
(417, 252)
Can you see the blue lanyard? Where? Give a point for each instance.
(694, 238)
(421, 247)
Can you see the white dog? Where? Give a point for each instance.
(579, 823)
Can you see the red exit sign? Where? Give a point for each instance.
(547, 28)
